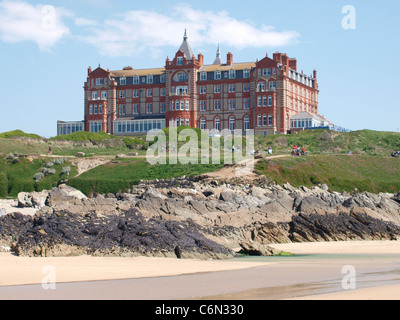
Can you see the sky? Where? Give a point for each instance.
(47, 46)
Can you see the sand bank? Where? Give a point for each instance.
(306, 276)
(22, 270)
(345, 247)
(379, 293)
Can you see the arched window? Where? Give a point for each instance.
(246, 122)
(181, 77)
(217, 124)
(232, 123)
(203, 124)
(259, 120)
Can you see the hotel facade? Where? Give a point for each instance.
(261, 95)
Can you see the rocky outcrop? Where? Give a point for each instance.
(129, 234)
(257, 249)
(229, 215)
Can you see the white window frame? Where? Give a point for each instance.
(232, 123)
(217, 124)
(149, 108)
(203, 124)
(217, 105)
(232, 104)
(246, 123)
(203, 105)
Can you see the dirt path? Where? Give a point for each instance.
(243, 170)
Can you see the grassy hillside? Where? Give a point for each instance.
(16, 177)
(340, 172)
(330, 142)
(18, 133)
(122, 175)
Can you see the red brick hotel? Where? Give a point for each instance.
(263, 95)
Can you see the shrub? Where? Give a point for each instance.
(48, 172)
(59, 161)
(38, 176)
(49, 164)
(66, 170)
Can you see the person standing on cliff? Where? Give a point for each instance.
(50, 151)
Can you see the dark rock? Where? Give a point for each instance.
(62, 233)
(256, 249)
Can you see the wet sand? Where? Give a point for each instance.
(315, 273)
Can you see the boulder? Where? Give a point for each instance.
(257, 249)
(64, 194)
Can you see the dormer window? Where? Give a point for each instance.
(136, 79)
(217, 75)
(232, 74)
(203, 76)
(150, 79)
(122, 81)
(246, 73)
(179, 61)
(162, 78)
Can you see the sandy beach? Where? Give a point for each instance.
(24, 271)
(236, 279)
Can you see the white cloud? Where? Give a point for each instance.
(138, 32)
(84, 22)
(20, 21)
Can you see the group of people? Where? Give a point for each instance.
(297, 151)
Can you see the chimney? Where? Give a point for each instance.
(293, 64)
(229, 59)
(315, 74)
(277, 57)
(89, 71)
(200, 58)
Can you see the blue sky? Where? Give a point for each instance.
(46, 47)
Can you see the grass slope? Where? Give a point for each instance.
(340, 172)
(18, 177)
(122, 175)
(324, 141)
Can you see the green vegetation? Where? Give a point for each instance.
(331, 142)
(83, 136)
(16, 177)
(369, 168)
(122, 175)
(340, 172)
(18, 133)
